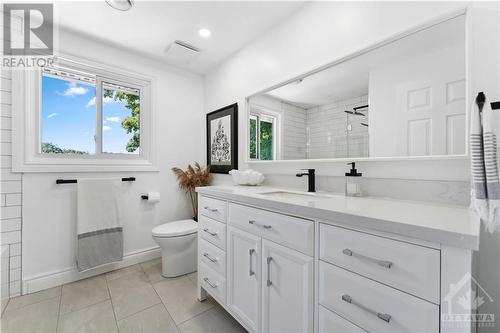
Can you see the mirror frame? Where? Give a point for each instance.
(426, 25)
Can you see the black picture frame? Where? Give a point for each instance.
(232, 112)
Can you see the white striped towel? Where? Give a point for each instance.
(485, 193)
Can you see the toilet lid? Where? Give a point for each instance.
(175, 228)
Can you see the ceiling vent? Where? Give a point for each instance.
(182, 53)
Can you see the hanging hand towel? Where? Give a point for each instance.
(490, 134)
(99, 229)
(485, 194)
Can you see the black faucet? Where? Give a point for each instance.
(311, 179)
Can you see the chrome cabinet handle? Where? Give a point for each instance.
(210, 283)
(269, 282)
(206, 255)
(384, 316)
(213, 210)
(250, 252)
(383, 263)
(265, 226)
(210, 232)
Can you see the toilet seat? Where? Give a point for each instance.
(175, 229)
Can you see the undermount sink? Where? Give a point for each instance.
(297, 195)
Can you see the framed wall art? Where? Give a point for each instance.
(222, 139)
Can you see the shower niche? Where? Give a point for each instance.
(405, 97)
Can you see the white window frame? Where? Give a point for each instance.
(259, 113)
(26, 134)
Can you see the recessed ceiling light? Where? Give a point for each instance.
(205, 33)
(122, 5)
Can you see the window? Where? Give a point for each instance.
(262, 140)
(74, 123)
(83, 117)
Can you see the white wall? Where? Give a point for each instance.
(318, 34)
(49, 210)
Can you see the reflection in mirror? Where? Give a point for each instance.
(405, 98)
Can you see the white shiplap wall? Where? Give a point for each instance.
(10, 196)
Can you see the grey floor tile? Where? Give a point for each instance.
(215, 320)
(83, 293)
(193, 277)
(152, 269)
(22, 301)
(132, 293)
(152, 320)
(123, 272)
(180, 298)
(98, 318)
(33, 318)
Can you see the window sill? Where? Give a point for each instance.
(82, 165)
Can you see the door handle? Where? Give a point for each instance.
(210, 283)
(269, 282)
(210, 232)
(265, 226)
(384, 263)
(206, 255)
(213, 210)
(384, 316)
(251, 271)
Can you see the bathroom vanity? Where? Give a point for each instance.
(284, 261)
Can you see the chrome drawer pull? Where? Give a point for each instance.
(210, 283)
(206, 255)
(384, 316)
(210, 232)
(250, 252)
(269, 282)
(383, 263)
(213, 210)
(265, 226)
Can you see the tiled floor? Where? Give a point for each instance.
(133, 299)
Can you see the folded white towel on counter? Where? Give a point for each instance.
(99, 227)
(247, 177)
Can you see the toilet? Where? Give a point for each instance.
(178, 243)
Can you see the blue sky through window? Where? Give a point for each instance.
(69, 117)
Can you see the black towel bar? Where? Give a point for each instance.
(73, 181)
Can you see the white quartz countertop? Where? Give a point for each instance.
(437, 223)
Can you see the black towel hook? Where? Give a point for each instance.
(481, 99)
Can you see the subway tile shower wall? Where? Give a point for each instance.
(10, 199)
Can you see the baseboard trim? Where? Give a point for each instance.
(57, 278)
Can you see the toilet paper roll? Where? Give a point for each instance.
(153, 196)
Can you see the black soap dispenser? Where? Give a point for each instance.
(353, 181)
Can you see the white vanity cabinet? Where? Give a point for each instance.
(287, 289)
(281, 269)
(244, 276)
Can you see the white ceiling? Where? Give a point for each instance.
(350, 78)
(151, 26)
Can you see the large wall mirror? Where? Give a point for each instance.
(403, 98)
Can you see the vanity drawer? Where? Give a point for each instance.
(213, 283)
(330, 322)
(213, 208)
(412, 268)
(213, 231)
(338, 286)
(290, 231)
(213, 257)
